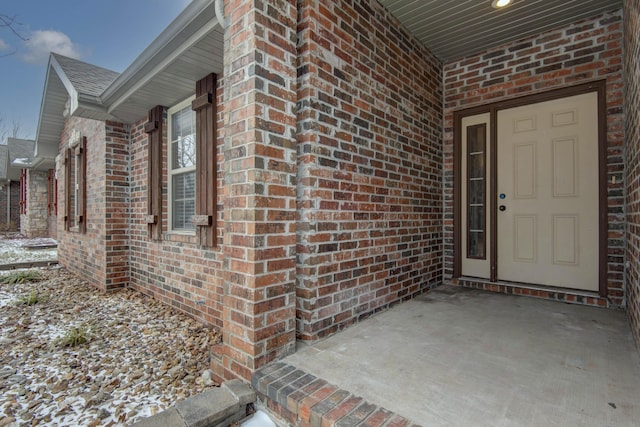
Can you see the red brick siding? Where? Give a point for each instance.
(369, 169)
(584, 51)
(13, 190)
(260, 177)
(117, 200)
(174, 270)
(15, 203)
(5, 217)
(632, 159)
(87, 254)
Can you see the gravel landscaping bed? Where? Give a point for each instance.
(141, 356)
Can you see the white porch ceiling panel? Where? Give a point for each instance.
(454, 29)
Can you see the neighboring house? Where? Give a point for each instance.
(27, 194)
(308, 164)
(9, 193)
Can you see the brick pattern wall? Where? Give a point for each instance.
(632, 159)
(89, 255)
(175, 270)
(15, 203)
(52, 221)
(369, 224)
(117, 201)
(584, 51)
(35, 223)
(5, 216)
(260, 176)
(10, 194)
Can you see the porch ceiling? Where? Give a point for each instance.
(456, 29)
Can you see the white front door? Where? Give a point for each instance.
(548, 193)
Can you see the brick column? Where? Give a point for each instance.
(260, 185)
(117, 202)
(35, 222)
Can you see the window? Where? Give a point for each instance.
(182, 166)
(23, 191)
(75, 168)
(70, 188)
(52, 193)
(192, 170)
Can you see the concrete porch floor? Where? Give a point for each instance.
(461, 357)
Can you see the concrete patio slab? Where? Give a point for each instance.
(459, 356)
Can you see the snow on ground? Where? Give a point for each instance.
(13, 250)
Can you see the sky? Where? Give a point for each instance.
(107, 33)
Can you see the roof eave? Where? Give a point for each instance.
(90, 107)
(166, 47)
(54, 71)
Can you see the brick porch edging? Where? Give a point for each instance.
(304, 400)
(570, 296)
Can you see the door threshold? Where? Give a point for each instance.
(571, 296)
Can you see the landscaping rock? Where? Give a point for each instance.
(6, 372)
(141, 357)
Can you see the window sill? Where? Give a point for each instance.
(181, 237)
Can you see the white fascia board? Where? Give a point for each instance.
(73, 93)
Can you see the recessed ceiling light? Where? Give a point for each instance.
(498, 4)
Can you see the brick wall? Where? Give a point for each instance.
(53, 226)
(632, 159)
(15, 204)
(369, 223)
(117, 201)
(174, 270)
(99, 255)
(10, 193)
(5, 215)
(584, 51)
(260, 176)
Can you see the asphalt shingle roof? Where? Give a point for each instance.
(15, 148)
(86, 78)
(20, 148)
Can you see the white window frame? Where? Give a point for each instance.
(170, 171)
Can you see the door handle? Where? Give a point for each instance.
(502, 208)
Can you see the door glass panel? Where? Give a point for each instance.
(476, 191)
(476, 240)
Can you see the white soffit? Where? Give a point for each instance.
(454, 29)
